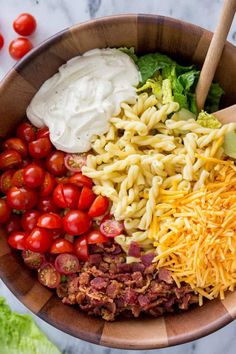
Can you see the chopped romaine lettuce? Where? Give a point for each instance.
(155, 85)
(183, 114)
(167, 91)
(19, 334)
(131, 52)
(230, 144)
(208, 120)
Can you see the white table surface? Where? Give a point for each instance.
(53, 16)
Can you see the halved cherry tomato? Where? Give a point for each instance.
(17, 178)
(10, 159)
(99, 206)
(67, 264)
(39, 240)
(13, 224)
(26, 132)
(40, 148)
(29, 219)
(86, 198)
(33, 176)
(19, 47)
(17, 240)
(55, 163)
(1, 41)
(49, 276)
(111, 228)
(6, 181)
(21, 198)
(16, 144)
(81, 248)
(81, 180)
(74, 162)
(50, 221)
(66, 195)
(33, 260)
(76, 222)
(95, 236)
(47, 205)
(47, 186)
(60, 245)
(24, 24)
(5, 211)
(43, 133)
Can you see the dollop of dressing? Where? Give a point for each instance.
(77, 102)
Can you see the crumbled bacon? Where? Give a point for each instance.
(111, 288)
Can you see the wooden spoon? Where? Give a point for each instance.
(226, 115)
(214, 52)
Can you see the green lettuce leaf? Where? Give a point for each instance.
(131, 52)
(155, 85)
(230, 144)
(207, 120)
(20, 335)
(213, 98)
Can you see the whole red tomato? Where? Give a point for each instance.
(33, 176)
(81, 248)
(55, 163)
(25, 24)
(76, 222)
(26, 132)
(17, 240)
(21, 198)
(29, 219)
(19, 47)
(1, 41)
(40, 148)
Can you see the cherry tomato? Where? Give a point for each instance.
(81, 180)
(111, 228)
(99, 206)
(43, 133)
(40, 148)
(66, 195)
(1, 41)
(81, 248)
(17, 240)
(16, 144)
(13, 224)
(76, 222)
(33, 260)
(55, 163)
(57, 233)
(29, 219)
(50, 221)
(39, 240)
(17, 178)
(21, 198)
(86, 198)
(95, 236)
(5, 211)
(33, 176)
(6, 181)
(67, 264)
(26, 132)
(74, 162)
(48, 275)
(10, 159)
(60, 245)
(47, 205)
(24, 24)
(47, 186)
(19, 47)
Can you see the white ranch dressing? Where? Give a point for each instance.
(78, 101)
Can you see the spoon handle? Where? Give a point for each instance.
(214, 52)
(226, 115)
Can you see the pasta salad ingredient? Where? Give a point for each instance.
(78, 101)
(24, 24)
(19, 47)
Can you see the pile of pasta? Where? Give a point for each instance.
(146, 161)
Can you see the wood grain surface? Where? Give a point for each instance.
(147, 33)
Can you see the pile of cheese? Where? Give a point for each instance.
(195, 238)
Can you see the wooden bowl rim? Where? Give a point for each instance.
(178, 339)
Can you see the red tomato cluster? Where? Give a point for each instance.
(24, 25)
(48, 207)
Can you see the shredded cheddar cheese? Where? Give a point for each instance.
(195, 235)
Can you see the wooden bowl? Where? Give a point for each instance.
(180, 40)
